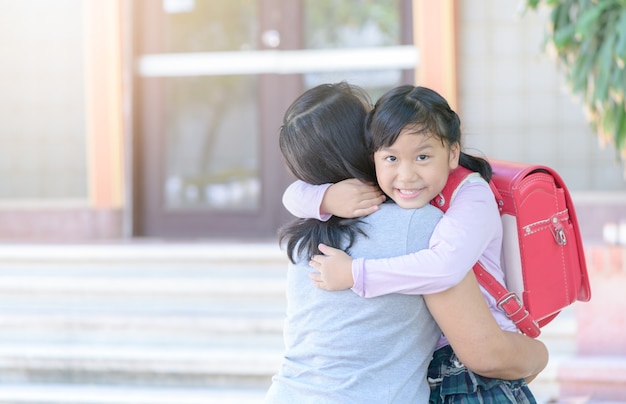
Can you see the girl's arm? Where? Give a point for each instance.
(459, 239)
(476, 338)
(305, 200)
(348, 198)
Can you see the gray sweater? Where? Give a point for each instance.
(341, 348)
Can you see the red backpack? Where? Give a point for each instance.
(542, 252)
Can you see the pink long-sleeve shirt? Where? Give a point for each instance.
(469, 231)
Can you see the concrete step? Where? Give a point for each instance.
(103, 394)
(594, 377)
(145, 251)
(223, 366)
(208, 286)
(146, 294)
(181, 328)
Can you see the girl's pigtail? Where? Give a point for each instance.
(477, 164)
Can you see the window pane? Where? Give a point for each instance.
(212, 135)
(212, 26)
(354, 24)
(212, 143)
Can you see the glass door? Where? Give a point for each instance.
(213, 81)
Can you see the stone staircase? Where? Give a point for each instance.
(140, 323)
(156, 323)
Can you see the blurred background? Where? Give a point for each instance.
(141, 180)
(150, 118)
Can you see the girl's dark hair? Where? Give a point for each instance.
(427, 112)
(322, 142)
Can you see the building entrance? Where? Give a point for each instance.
(213, 80)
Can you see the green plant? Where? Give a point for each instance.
(589, 40)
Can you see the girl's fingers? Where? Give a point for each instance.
(366, 211)
(326, 250)
(316, 261)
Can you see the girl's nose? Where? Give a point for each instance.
(406, 172)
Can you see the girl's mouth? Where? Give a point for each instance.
(408, 193)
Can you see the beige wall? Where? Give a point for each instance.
(513, 101)
(42, 113)
(60, 120)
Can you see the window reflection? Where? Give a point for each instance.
(212, 143)
(353, 24)
(212, 122)
(211, 129)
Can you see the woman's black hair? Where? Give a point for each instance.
(427, 112)
(322, 142)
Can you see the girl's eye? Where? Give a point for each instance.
(390, 159)
(422, 157)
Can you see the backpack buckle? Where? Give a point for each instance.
(512, 306)
(503, 304)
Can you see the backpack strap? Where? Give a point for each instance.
(456, 177)
(506, 300)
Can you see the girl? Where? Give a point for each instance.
(334, 341)
(415, 137)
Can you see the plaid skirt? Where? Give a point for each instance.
(451, 382)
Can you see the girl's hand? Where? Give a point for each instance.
(335, 269)
(351, 198)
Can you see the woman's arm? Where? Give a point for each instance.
(305, 200)
(476, 338)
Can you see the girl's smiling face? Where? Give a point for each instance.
(414, 169)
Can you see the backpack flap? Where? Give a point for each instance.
(584, 292)
(542, 253)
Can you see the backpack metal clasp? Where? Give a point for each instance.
(558, 233)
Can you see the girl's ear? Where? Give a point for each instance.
(455, 153)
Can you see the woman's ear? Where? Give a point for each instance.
(455, 153)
